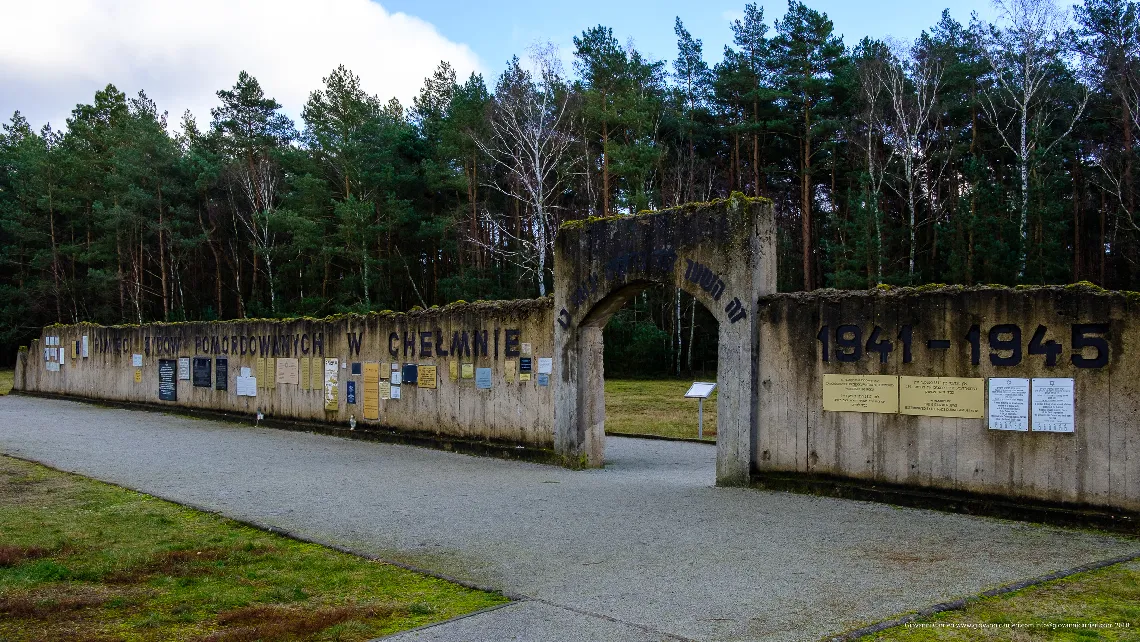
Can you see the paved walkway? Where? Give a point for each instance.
(647, 549)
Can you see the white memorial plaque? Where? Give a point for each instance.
(1053, 407)
(700, 390)
(394, 390)
(246, 372)
(136, 360)
(184, 369)
(246, 386)
(63, 355)
(1009, 404)
(396, 378)
(85, 347)
(545, 365)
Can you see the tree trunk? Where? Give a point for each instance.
(805, 203)
(755, 149)
(605, 170)
(162, 257)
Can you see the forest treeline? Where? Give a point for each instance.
(977, 153)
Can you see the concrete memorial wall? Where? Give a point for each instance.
(478, 371)
(1027, 393)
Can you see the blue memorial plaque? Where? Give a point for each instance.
(410, 374)
(351, 394)
(483, 378)
(167, 385)
(543, 379)
(355, 367)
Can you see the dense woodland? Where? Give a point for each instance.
(977, 153)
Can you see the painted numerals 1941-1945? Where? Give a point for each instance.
(1089, 343)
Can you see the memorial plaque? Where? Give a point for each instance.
(525, 376)
(483, 378)
(510, 367)
(62, 356)
(350, 392)
(203, 373)
(356, 368)
(1053, 405)
(861, 393)
(259, 371)
(942, 397)
(184, 368)
(526, 349)
(86, 346)
(246, 386)
(136, 360)
(306, 374)
(221, 373)
(1008, 404)
(168, 380)
(385, 389)
(138, 373)
(395, 378)
(288, 371)
(453, 370)
(543, 379)
(270, 373)
(384, 370)
(332, 385)
(525, 364)
(394, 392)
(409, 374)
(318, 374)
(545, 365)
(427, 377)
(371, 391)
(468, 370)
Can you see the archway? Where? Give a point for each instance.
(720, 252)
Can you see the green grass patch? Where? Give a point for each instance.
(1071, 609)
(7, 378)
(80, 559)
(655, 407)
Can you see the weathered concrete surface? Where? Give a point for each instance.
(722, 253)
(648, 542)
(1099, 465)
(488, 334)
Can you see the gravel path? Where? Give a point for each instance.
(647, 549)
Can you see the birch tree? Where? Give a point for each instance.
(528, 143)
(1024, 50)
(913, 82)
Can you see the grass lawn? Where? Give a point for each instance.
(7, 377)
(655, 407)
(1106, 596)
(80, 559)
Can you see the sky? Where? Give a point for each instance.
(181, 52)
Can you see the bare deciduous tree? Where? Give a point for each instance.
(529, 143)
(1024, 50)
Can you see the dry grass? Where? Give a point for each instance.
(655, 407)
(82, 560)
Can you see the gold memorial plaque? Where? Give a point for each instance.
(468, 370)
(138, 375)
(453, 370)
(427, 377)
(271, 373)
(259, 372)
(942, 397)
(306, 373)
(861, 393)
(509, 367)
(287, 371)
(372, 391)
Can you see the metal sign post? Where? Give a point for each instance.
(700, 390)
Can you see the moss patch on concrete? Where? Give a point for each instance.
(82, 559)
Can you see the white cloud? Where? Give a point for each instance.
(57, 53)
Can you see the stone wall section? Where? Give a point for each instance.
(509, 412)
(1097, 465)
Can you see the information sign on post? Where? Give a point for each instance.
(700, 390)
